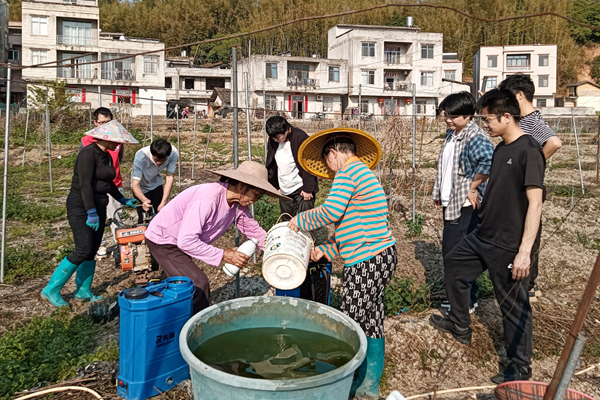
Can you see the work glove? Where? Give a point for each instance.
(129, 202)
(93, 221)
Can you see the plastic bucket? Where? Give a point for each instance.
(286, 257)
(262, 312)
(531, 390)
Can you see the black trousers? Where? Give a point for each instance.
(176, 263)
(464, 264)
(87, 241)
(155, 196)
(455, 230)
(296, 206)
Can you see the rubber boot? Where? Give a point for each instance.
(61, 275)
(84, 278)
(368, 386)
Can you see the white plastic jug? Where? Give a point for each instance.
(248, 248)
(286, 257)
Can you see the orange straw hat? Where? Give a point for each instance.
(253, 174)
(309, 154)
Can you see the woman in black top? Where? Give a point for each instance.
(86, 211)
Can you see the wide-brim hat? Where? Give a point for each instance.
(253, 174)
(112, 131)
(309, 154)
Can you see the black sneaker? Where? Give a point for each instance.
(513, 372)
(463, 335)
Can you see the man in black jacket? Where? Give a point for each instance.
(285, 172)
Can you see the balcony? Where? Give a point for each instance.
(77, 73)
(302, 82)
(75, 40)
(396, 57)
(397, 87)
(115, 74)
(518, 67)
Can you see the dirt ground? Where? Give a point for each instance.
(419, 359)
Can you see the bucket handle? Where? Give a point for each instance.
(312, 244)
(279, 219)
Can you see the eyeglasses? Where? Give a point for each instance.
(487, 119)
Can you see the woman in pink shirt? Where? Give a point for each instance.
(188, 225)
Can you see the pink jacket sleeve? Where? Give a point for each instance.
(189, 237)
(249, 227)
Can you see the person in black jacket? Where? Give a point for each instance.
(86, 211)
(285, 172)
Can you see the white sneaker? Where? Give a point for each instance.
(446, 304)
(101, 252)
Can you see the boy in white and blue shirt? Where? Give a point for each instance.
(146, 179)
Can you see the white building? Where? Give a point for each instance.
(383, 64)
(491, 64)
(56, 30)
(301, 86)
(194, 84)
(452, 69)
(17, 89)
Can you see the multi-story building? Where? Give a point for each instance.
(384, 62)
(491, 64)
(452, 69)
(17, 89)
(100, 68)
(194, 84)
(301, 86)
(3, 44)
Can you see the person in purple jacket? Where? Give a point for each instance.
(187, 226)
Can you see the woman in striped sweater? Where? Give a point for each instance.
(357, 207)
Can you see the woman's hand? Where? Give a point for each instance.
(232, 256)
(293, 225)
(316, 254)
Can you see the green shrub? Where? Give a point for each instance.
(266, 212)
(46, 349)
(404, 295)
(484, 286)
(414, 229)
(206, 129)
(26, 261)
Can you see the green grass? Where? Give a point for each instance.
(404, 295)
(26, 261)
(48, 349)
(414, 229)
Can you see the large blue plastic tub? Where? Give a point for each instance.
(265, 312)
(151, 320)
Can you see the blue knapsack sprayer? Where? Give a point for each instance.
(151, 319)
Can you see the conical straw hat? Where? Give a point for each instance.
(112, 131)
(253, 174)
(309, 154)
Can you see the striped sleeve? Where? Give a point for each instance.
(330, 248)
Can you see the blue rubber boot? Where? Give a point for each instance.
(84, 278)
(367, 385)
(60, 276)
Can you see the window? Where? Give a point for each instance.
(188, 83)
(491, 82)
(426, 78)
(515, 60)
(421, 107)
(169, 82)
(572, 92)
(364, 107)
(450, 75)
(76, 33)
(39, 56)
(426, 51)
(271, 72)
(298, 71)
(13, 54)
(334, 74)
(119, 69)
(151, 65)
(541, 102)
(270, 101)
(543, 81)
(328, 104)
(368, 49)
(543, 60)
(39, 26)
(74, 70)
(368, 77)
(492, 61)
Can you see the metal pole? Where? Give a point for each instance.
(152, 119)
(99, 97)
(234, 104)
(178, 146)
(359, 103)
(5, 188)
(48, 140)
(265, 124)
(598, 154)
(25, 140)
(578, 157)
(570, 367)
(194, 143)
(248, 117)
(375, 129)
(90, 110)
(414, 141)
